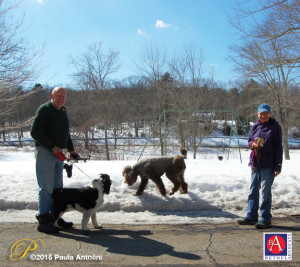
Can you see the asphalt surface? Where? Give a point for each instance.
(145, 245)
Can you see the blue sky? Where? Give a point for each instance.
(66, 27)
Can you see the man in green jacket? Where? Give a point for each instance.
(51, 134)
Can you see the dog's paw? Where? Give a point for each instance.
(137, 194)
(86, 230)
(163, 192)
(172, 193)
(98, 227)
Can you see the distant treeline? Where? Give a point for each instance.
(128, 105)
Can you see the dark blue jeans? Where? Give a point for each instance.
(49, 173)
(266, 176)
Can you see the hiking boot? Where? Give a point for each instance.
(263, 225)
(61, 222)
(48, 228)
(246, 221)
(46, 224)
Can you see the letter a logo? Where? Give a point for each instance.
(275, 242)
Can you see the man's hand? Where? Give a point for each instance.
(58, 153)
(56, 150)
(74, 155)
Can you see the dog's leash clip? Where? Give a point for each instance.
(68, 166)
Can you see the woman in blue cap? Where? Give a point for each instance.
(265, 141)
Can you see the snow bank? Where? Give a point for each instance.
(218, 191)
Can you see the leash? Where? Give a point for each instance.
(62, 157)
(82, 171)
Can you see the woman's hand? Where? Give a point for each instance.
(254, 145)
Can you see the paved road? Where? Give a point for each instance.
(145, 245)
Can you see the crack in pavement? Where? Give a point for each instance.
(208, 252)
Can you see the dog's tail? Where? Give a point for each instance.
(183, 152)
(179, 163)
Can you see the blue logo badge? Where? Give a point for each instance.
(277, 246)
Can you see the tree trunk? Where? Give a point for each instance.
(20, 134)
(181, 132)
(285, 144)
(161, 140)
(115, 137)
(86, 139)
(106, 138)
(282, 119)
(194, 147)
(136, 128)
(194, 139)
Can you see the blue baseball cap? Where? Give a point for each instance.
(263, 108)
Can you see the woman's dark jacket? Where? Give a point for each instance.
(271, 152)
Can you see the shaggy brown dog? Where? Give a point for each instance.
(154, 168)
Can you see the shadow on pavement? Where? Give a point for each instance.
(126, 242)
(286, 228)
(170, 205)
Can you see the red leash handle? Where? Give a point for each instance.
(61, 156)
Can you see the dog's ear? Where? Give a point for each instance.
(126, 170)
(130, 177)
(104, 176)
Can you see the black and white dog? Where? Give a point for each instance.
(87, 200)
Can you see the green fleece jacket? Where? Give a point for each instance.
(50, 127)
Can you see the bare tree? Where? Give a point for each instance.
(93, 72)
(16, 63)
(152, 66)
(187, 69)
(281, 18)
(82, 113)
(270, 52)
(268, 64)
(152, 62)
(136, 104)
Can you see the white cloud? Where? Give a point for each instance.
(161, 24)
(142, 33)
(40, 1)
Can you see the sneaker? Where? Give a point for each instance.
(61, 222)
(246, 221)
(263, 225)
